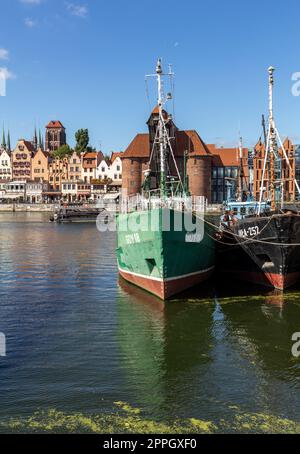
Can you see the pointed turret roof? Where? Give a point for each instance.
(40, 139)
(3, 144)
(8, 141)
(35, 139)
(155, 112)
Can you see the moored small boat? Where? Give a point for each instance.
(73, 214)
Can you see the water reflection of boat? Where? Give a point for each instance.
(275, 298)
(165, 349)
(195, 358)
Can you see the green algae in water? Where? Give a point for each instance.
(130, 422)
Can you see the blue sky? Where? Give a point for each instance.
(83, 62)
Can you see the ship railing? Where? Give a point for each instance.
(140, 203)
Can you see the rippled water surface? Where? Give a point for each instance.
(78, 340)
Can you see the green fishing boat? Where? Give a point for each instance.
(163, 244)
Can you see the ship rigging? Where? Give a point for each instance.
(162, 148)
(272, 158)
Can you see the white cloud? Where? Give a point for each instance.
(4, 54)
(6, 74)
(31, 2)
(77, 10)
(30, 23)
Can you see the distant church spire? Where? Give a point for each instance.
(40, 139)
(3, 144)
(8, 141)
(35, 139)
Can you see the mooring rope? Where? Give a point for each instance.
(248, 240)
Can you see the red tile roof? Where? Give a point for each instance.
(90, 155)
(96, 156)
(155, 111)
(116, 155)
(55, 124)
(139, 147)
(184, 141)
(93, 155)
(191, 141)
(226, 157)
(28, 145)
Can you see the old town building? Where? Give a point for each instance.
(22, 160)
(15, 190)
(216, 173)
(34, 191)
(55, 135)
(3, 184)
(90, 162)
(70, 191)
(74, 167)
(58, 172)
(111, 169)
(83, 191)
(284, 174)
(40, 165)
(5, 165)
(98, 190)
(229, 173)
(187, 146)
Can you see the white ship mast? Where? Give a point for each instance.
(162, 138)
(161, 129)
(271, 149)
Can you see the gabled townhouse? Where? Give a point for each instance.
(22, 160)
(111, 169)
(40, 165)
(116, 167)
(90, 162)
(74, 167)
(58, 172)
(5, 165)
(103, 170)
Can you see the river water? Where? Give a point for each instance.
(80, 341)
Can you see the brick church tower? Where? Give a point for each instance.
(55, 136)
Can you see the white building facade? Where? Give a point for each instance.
(5, 165)
(111, 170)
(70, 190)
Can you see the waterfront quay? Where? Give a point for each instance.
(38, 207)
(26, 207)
